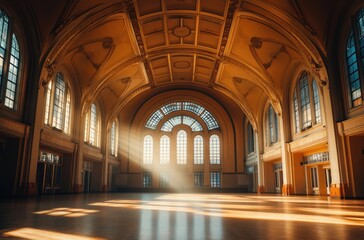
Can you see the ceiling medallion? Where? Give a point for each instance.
(181, 31)
(181, 64)
(125, 80)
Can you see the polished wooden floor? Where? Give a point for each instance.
(181, 216)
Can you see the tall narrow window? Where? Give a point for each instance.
(181, 147)
(113, 139)
(92, 126)
(272, 125)
(57, 111)
(304, 96)
(198, 179)
(59, 102)
(296, 113)
(148, 150)
(164, 150)
(316, 102)
(250, 136)
(214, 149)
(353, 71)
(355, 60)
(198, 150)
(9, 62)
(48, 102)
(215, 180)
(147, 179)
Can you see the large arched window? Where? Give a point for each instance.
(272, 126)
(93, 126)
(355, 60)
(57, 111)
(198, 150)
(306, 103)
(250, 138)
(9, 62)
(113, 139)
(148, 150)
(214, 149)
(164, 150)
(181, 147)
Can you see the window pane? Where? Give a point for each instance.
(250, 133)
(147, 179)
(198, 179)
(198, 150)
(214, 149)
(181, 147)
(353, 73)
(205, 115)
(209, 120)
(93, 125)
(316, 99)
(58, 101)
(67, 113)
(177, 120)
(4, 25)
(304, 97)
(164, 150)
(154, 119)
(215, 180)
(171, 107)
(296, 113)
(47, 103)
(113, 139)
(189, 121)
(148, 150)
(193, 107)
(272, 125)
(12, 82)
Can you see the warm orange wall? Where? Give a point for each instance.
(357, 160)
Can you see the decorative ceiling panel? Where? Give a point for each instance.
(186, 33)
(214, 6)
(180, 4)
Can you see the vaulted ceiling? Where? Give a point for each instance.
(247, 51)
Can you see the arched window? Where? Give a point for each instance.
(355, 60)
(198, 150)
(181, 147)
(306, 103)
(214, 149)
(113, 139)
(148, 150)
(9, 62)
(272, 126)
(57, 111)
(250, 137)
(164, 150)
(92, 127)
